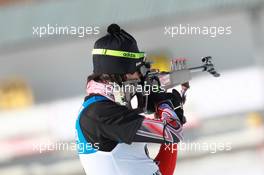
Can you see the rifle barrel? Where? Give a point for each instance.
(197, 69)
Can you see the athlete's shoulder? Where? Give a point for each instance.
(107, 110)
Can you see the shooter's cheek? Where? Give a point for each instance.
(139, 74)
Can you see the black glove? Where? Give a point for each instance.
(177, 103)
(173, 98)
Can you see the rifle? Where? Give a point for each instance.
(180, 74)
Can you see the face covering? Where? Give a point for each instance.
(103, 89)
(112, 91)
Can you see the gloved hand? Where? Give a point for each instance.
(177, 102)
(165, 112)
(173, 98)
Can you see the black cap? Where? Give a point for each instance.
(120, 40)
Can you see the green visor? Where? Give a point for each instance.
(118, 53)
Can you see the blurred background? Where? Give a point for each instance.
(42, 80)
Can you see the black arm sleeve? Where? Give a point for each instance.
(120, 124)
(114, 121)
